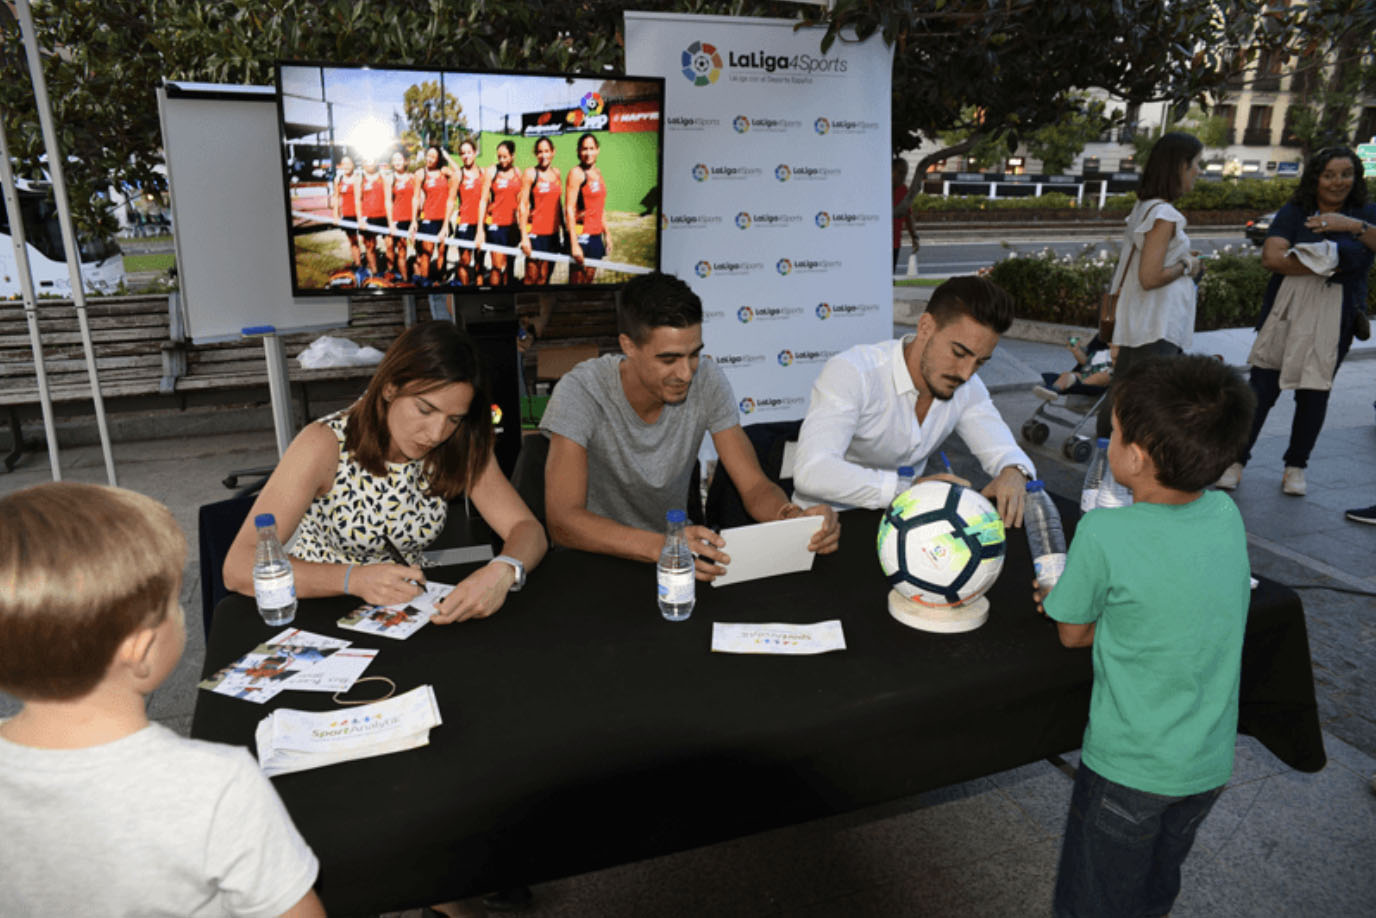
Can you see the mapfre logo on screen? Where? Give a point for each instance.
(701, 63)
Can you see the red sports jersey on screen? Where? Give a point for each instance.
(344, 187)
(470, 193)
(436, 190)
(544, 204)
(403, 187)
(593, 197)
(506, 191)
(374, 195)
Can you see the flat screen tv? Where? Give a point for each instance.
(414, 180)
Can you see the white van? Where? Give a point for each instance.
(102, 262)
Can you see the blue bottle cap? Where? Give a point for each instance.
(1102, 442)
(264, 519)
(676, 516)
(1036, 484)
(906, 471)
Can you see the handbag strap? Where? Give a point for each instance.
(1128, 267)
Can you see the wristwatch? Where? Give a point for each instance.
(1026, 472)
(516, 566)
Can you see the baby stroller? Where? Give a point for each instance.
(1075, 405)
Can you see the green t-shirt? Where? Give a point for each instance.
(1168, 587)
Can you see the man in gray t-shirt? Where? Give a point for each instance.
(624, 430)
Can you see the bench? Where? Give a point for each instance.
(138, 355)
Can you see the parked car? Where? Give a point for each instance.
(1257, 229)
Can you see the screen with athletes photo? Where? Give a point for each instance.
(414, 180)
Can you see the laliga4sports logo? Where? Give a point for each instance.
(783, 266)
(703, 269)
(741, 124)
(701, 172)
(826, 311)
(823, 219)
(742, 220)
(701, 63)
(785, 357)
(744, 315)
(821, 125)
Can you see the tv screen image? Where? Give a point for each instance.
(416, 180)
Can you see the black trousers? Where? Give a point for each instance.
(1127, 356)
(1311, 406)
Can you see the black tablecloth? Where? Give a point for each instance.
(582, 730)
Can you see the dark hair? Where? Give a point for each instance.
(439, 152)
(426, 356)
(1306, 196)
(899, 163)
(510, 147)
(587, 136)
(469, 141)
(977, 297)
(540, 140)
(1192, 414)
(650, 301)
(82, 567)
(1165, 162)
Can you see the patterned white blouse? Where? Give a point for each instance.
(348, 523)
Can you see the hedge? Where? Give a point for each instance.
(1067, 289)
(1257, 195)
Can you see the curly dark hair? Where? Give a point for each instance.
(1306, 196)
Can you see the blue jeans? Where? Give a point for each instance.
(1123, 848)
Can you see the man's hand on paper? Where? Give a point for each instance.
(706, 547)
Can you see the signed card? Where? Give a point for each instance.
(398, 621)
(768, 549)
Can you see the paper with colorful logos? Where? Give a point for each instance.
(336, 673)
(791, 640)
(290, 740)
(266, 670)
(400, 620)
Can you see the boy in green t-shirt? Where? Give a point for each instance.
(1160, 590)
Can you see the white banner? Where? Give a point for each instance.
(776, 193)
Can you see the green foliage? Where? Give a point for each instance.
(1057, 144)
(429, 119)
(1231, 290)
(1053, 200)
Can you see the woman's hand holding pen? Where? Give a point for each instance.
(385, 584)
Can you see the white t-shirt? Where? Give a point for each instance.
(149, 825)
(1166, 312)
(862, 425)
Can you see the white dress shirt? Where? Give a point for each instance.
(862, 425)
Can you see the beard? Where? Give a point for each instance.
(938, 387)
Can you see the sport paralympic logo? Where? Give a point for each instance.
(741, 124)
(823, 219)
(702, 268)
(747, 405)
(782, 172)
(701, 172)
(745, 314)
(785, 357)
(823, 311)
(821, 125)
(783, 266)
(701, 63)
(743, 220)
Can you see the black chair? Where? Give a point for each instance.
(724, 505)
(217, 525)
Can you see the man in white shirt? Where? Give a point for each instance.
(876, 407)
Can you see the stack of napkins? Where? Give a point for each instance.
(291, 740)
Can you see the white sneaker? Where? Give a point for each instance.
(1230, 478)
(1293, 481)
(1046, 393)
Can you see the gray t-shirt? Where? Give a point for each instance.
(637, 472)
(150, 824)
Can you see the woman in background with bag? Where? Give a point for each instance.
(1150, 309)
(1320, 249)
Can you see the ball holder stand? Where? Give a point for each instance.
(967, 616)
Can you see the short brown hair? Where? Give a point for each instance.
(426, 356)
(977, 297)
(82, 567)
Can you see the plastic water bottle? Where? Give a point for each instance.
(1094, 476)
(677, 580)
(906, 475)
(274, 584)
(1111, 493)
(1045, 537)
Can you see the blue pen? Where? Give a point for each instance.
(946, 462)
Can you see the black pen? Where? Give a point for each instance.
(395, 554)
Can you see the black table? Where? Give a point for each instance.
(581, 730)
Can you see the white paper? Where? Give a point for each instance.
(400, 620)
(307, 639)
(290, 740)
(775, 637)
(336, 673)
(265, 670)
(768, 549)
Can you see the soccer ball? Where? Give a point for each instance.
(941, 546)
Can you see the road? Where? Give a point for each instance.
(964, 255)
